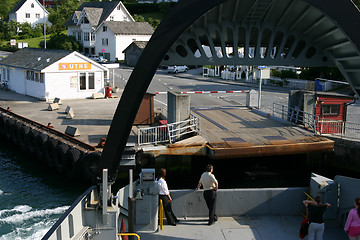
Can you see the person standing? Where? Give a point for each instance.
(210, 186)
(164, 195)
(352, 225)
(316, 220)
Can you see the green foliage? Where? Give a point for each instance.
(154, 22)
(61, 13)
(62, 41)
(5, 7)
(141, 8)
(321, 72)
(138, 18)
(283, 74)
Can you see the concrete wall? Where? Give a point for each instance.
(235, 202)
(178, 107)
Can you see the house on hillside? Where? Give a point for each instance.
(133, 52)
(30, 11)
(106, 29)
(48, 74)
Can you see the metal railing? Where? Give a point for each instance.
(319, 126)
(169, 133)
(296, 116)
(340, 129)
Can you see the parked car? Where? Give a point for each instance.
(177, 69)
(99, 59)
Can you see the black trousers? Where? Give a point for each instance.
(170, 216)
(210, 199)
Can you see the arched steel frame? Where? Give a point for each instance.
(312, 32)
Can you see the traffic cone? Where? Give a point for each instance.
(123, 229)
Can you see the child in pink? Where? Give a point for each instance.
(352, 226)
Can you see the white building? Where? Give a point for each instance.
(30, 11)
(47, 74)
(106, 29)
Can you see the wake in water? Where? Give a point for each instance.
(22, 222)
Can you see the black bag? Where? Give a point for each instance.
(304, 227)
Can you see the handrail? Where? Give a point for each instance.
(129, 234)
(161, 215)
(68, 211)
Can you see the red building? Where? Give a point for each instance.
(330, 108)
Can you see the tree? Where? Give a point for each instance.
(62, 41)
(61, 13)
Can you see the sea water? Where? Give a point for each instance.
(32, 198)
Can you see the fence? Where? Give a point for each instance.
(318, 126)
(170, 133)
(296, 116)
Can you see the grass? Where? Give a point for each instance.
(34, 42)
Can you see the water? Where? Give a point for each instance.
(32, 198)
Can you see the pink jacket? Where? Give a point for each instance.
(353, 220)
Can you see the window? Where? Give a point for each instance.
(104, 28)
(85, 20)
(87, 81)
(78, 36)
(27, 15)
(91, 81)
(330, 109)
(111, 18)
(86, 36)
(118, 7)
(105, 41)
(32, 5)
(82, 81)
(92, 36)
(37, 15)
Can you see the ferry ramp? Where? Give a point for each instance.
(239, 132)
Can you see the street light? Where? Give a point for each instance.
(44, 24)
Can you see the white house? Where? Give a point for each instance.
(30, 11)
(106, 29)
(47, 74)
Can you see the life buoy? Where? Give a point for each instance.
(90, 165)
(59, 157)
(39, 145)
(49, 151)
(2, 125)
(8, 125)
(71, 163)
(31, 140)
(21, 137)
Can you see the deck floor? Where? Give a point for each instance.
(239, 128)
(241, 228)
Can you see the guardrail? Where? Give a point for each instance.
(296, 116)
(170, 133)
(318, 126)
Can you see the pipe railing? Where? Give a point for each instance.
(169, 133)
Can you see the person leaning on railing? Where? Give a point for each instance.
(316, 220)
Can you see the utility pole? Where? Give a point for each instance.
(44, 24)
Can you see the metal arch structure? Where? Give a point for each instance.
(304, 33)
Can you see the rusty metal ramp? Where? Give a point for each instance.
(233, 132)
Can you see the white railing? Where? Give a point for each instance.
(340, 129)
(169, 133)
(318, 126)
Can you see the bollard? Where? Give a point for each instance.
(53, 106)
(70, 114)
(72, 131)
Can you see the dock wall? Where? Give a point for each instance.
(236, 202)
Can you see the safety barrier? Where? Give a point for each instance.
(308, 198)
(295, 115)
(319, 126)
(168, 133)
